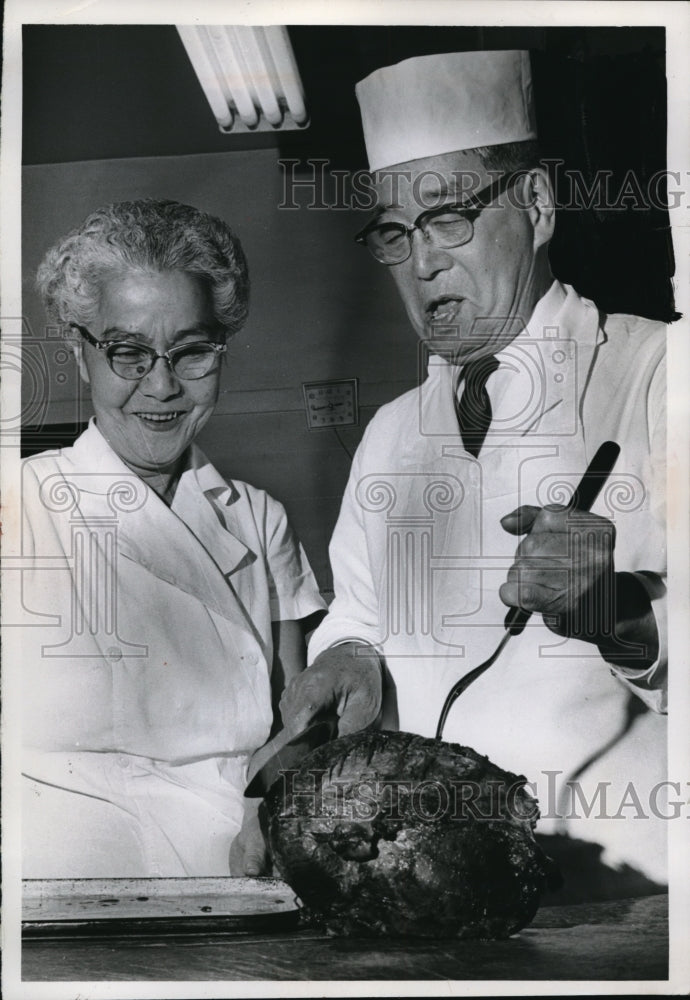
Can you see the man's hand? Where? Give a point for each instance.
(564, 569)
(248, 851)
(345, 680)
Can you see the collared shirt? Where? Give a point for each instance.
(153, 633)
(418, 553)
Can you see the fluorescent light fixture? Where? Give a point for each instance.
(249, 76)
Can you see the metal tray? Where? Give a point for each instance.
(167, 907)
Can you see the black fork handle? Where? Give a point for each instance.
(586, 492)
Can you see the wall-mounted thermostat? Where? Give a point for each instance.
(331, 404)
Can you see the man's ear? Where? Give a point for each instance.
(75, 343)
(539, 197)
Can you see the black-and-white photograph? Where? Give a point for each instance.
(345, 451)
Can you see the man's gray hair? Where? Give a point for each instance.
(144, 236)
(509, 156)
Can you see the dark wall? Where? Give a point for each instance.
(112, 113)
(95, 92)
(320, 309)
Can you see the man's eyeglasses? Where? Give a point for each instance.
(134, 361)
(444, 227)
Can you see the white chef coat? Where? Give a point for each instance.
(146, 660)
(418, 556)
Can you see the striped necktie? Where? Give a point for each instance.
(474, 407)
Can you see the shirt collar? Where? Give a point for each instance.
(184, 545)
(207, 477)
(561, 338)
(548, 313)
(91, 450)
(201, 500)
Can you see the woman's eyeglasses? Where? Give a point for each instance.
(444, 227)
(134, 361)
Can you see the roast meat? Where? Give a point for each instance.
(383, 833)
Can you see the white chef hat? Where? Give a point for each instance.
(438, 104)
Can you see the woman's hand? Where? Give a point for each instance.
(248, 852)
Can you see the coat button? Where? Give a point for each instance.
(123, 762)
(252, 658)
(114, 653)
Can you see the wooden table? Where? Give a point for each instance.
(618, 940)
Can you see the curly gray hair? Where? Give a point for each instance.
(145, 235)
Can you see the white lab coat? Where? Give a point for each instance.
(146, 660)
(418, 557)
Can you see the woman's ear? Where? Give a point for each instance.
(542, 210)
(75, 342)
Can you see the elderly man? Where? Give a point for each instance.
(525, 379)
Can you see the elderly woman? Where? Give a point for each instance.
(168, 604)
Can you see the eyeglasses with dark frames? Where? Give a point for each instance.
(133, 361)
(445, 227)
